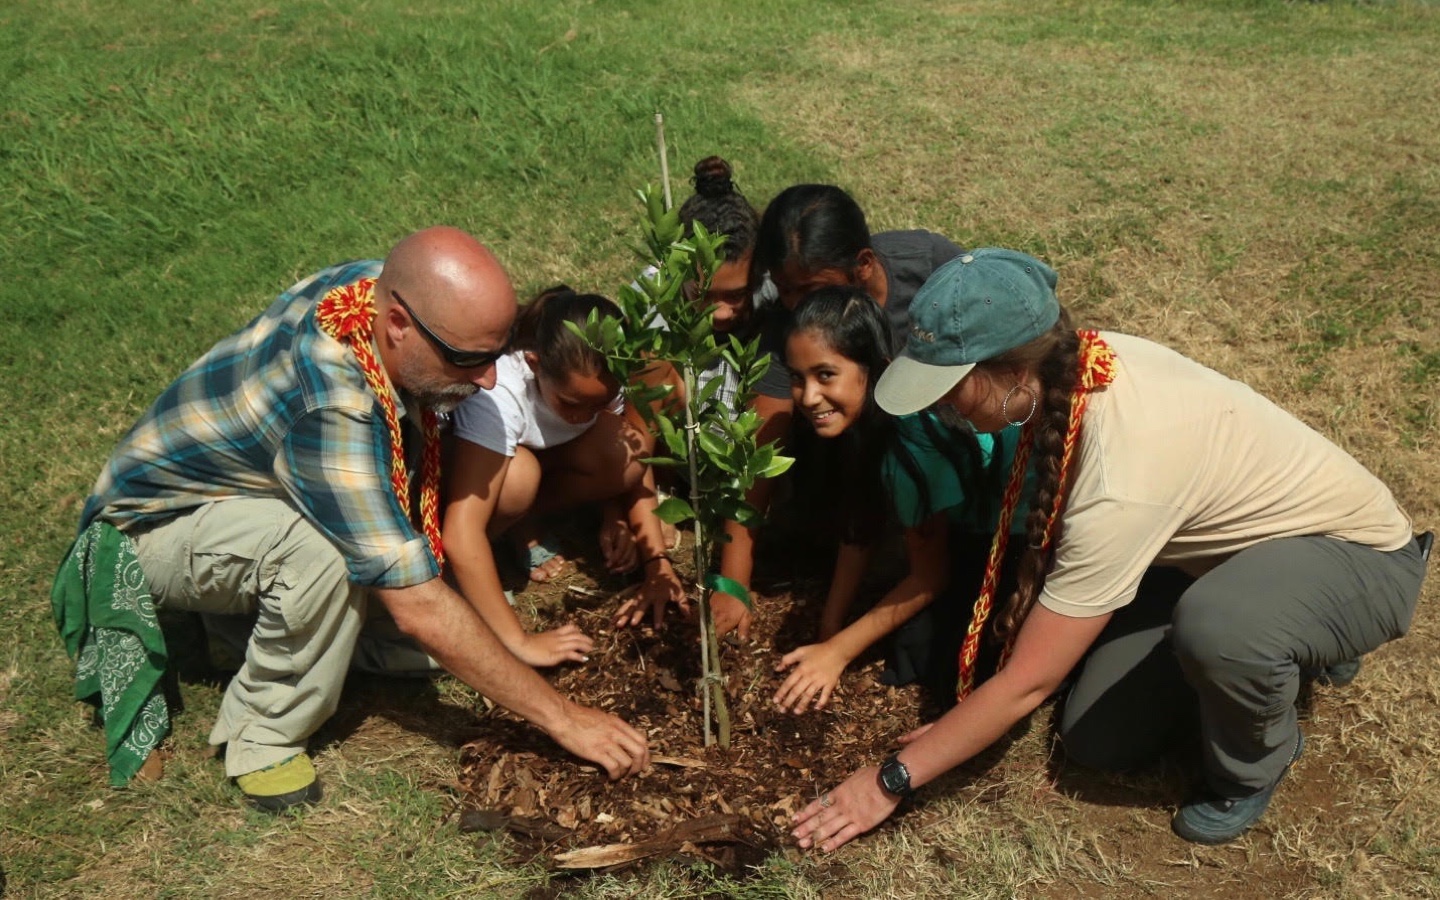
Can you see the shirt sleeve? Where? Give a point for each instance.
(1104, 550)
(944, 486)
(775, 383)
(942, 250)
(489, 419)
(335, 464)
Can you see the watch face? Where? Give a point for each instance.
(894, 777)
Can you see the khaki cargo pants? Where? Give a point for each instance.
(261, 558)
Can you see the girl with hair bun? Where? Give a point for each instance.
(554, 432)
(1286, 558)
(722, 209)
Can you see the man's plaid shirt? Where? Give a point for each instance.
(278, 409)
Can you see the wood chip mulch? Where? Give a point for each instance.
(729, 806)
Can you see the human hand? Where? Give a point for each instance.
(817, 671)
(550, 648)
(602, 738)
(617, 545)
(855, 807)
(661, 588)
(915, 735)
(730, 615)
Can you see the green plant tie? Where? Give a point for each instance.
(717, 582)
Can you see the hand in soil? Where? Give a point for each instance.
(550, 648)
(914, 736)
(817, 671)
(730, 615)
(602, 738)
(617, 546)
(661, 588)
(853, 808)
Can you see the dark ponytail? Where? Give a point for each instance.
(540, 329)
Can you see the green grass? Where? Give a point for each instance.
(1253, 182)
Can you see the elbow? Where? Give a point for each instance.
(411, 623)
(414, 616)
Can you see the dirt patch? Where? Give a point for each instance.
(775, 763)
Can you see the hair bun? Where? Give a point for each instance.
(714, 177)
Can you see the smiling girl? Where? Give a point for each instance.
(939, 482)
(553, 432)
(813, 236)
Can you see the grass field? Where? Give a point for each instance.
(1254, 183)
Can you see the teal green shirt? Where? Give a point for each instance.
(952, 489)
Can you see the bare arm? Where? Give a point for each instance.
(662, 586)
(817, 667)
(1046, 649)
(737, 555)
(447, 628)
(477, 475)
(851, 561)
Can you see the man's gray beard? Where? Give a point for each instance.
(443, 400)
(432, 392)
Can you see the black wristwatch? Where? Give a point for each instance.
(895, 778)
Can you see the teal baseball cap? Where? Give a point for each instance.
(975, 307)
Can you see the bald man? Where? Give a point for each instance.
(259, 483)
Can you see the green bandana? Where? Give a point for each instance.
(106, 617)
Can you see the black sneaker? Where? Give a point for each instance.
(1216, 820)
(1337, 675)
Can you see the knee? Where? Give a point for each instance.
(519, 487)
(1208, 632)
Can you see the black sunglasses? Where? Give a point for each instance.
(461, 359)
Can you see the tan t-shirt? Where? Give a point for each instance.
(1179, 465)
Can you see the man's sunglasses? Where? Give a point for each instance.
(461, 359)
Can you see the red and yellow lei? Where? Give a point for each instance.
(1097, 369)
(347, 314)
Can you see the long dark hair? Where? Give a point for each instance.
(1055, 358)
(818, 226)
(718, 205)
(852, 324)
(540, 329)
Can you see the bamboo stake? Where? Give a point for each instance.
(664, 158)
(701, 562)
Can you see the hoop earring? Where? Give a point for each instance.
(1005, 405)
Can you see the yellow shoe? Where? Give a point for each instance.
(282, 786)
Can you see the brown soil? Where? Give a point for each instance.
(649, 679)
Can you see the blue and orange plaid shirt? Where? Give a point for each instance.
(278, 409)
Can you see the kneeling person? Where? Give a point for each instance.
(269, 479)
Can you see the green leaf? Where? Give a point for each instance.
(715, 448)
(779, 466)
(674, 510)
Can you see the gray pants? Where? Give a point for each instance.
(261, 558)
(1225, 653)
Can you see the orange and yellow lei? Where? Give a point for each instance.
(1097, 369)
(347, 313)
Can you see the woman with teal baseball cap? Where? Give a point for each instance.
(1290, 558)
